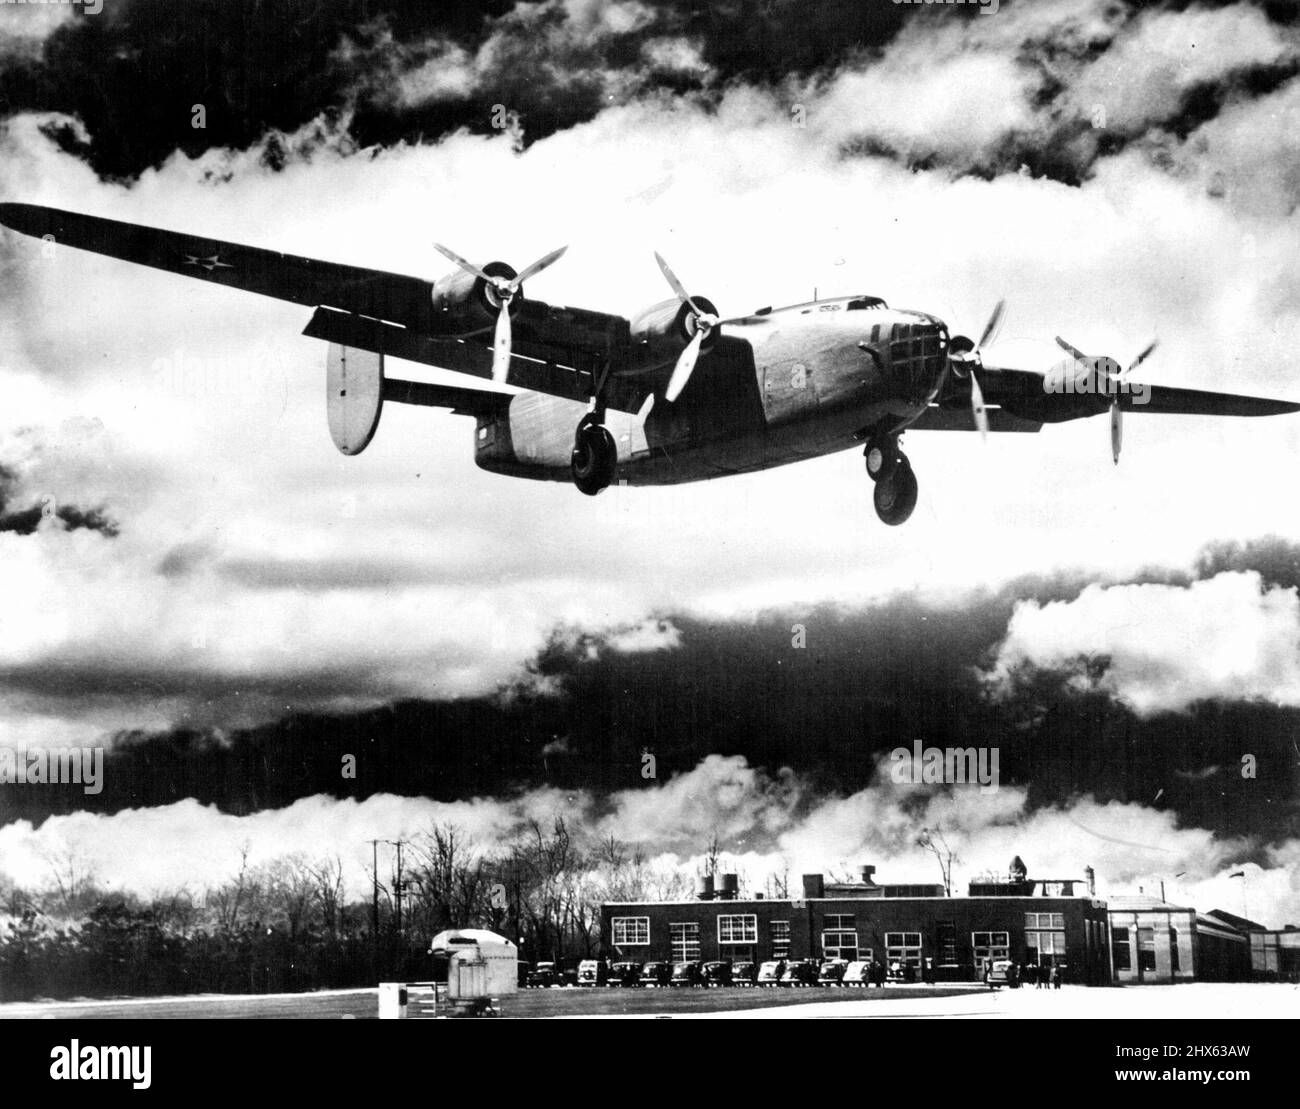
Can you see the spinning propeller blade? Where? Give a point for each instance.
(505, 289)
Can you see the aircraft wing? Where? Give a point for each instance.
(283, 276)
(1025, 396)
(556, 349)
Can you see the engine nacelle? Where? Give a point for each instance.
(464, 304)
(667, 327)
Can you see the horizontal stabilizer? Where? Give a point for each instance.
(462, 402)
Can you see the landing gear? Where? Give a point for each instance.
(594, 458)
(896, 489)
(881, 457)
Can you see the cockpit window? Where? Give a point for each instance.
(866, 302)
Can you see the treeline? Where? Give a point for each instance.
(287, 925)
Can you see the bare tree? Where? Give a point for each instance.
(235, 899)
(327, 877)
(290, 893)
(934, 841)
(72, 881)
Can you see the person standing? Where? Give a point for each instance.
(1056, 977)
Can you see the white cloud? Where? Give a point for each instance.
(765, 825)
(1145, 74)
(1168, 645)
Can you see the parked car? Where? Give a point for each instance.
(1002, 972)
(857, 973)
(717, 973)
(656, 974)
(800, 972)
(593, 972)
(543, 975)
(744, 974)
(901, 972)
(831, 972)
(686, 974)
(769, 974)
(624, 974)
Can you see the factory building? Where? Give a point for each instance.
(1042, 922)
(1275, 954)
(1153, 941)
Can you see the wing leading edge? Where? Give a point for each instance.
(1024, 397)
(558, 350)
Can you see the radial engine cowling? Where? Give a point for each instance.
(464, 303)
(667, 327)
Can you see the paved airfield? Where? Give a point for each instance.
(1202, 1000)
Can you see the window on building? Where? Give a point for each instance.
(990, 945)
(1265, 953)
(1173, 949)
(1046, 948)
(844, 922)
(780, 934)
(738, 928)
(1120, 949)
(685, 941)
(946, 935)
(903, 948)
(630, 931)
(840, 945)
(1146, 949)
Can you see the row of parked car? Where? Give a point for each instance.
(775, 972)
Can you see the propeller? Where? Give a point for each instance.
(705, 323)
(1112, 383)
(966, 357)
(505, 289)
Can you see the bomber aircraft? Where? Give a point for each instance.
(671, 395)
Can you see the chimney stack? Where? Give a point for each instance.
(867, 872)
(1091, 875)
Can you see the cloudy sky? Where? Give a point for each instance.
(183, 548)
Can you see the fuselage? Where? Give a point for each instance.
(777, 387)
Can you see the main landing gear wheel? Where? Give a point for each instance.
(594, 458)
(895, 498)
(881, 457)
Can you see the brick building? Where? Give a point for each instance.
(1154, 941)
(946, 938)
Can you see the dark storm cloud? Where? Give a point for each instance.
(392, 72)
(867, 680)
(25, 518)
(133, 74)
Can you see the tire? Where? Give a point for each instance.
(895, 499)
(885, 459)
(594, 459)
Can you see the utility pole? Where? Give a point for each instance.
(397, 884)
(374, 905)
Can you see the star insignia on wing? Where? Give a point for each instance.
(210, 263)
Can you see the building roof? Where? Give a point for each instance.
(1241, 923)
(1144, 903)
(1209, 925)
